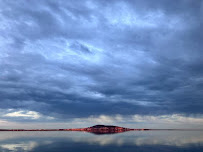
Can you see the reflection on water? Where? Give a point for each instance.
(83, 141)
(22, 146)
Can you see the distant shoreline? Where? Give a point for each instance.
(100, 129)
(83, 130)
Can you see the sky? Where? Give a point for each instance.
(77, 63)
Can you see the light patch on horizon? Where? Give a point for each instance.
(174, 119)
(3, 121)
(25, 114)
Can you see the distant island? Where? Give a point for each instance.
(106, 129)
(97, 129)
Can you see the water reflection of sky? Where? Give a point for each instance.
(76, 141)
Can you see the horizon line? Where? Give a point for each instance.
(100, 128)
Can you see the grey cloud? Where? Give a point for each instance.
(79, 47)
(75, 59)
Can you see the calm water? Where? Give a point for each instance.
(142, 141)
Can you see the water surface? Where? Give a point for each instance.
(142, 141)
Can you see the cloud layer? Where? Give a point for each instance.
(73, 59)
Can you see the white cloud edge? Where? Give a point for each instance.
(168, 119)
(26, 114)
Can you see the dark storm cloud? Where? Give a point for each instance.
(82, 58)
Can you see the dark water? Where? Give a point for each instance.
(141, 141)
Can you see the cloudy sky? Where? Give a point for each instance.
(136, 63)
